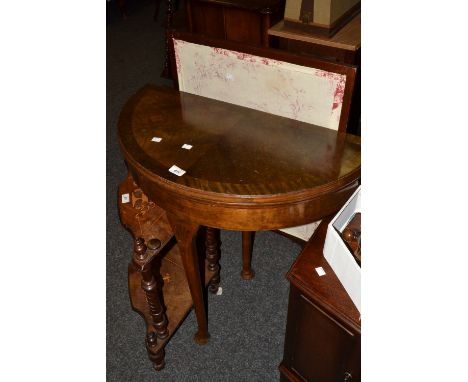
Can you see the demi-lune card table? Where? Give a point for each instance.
(214, 164)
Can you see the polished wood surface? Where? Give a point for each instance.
(240, 156)
(235, 95)
(279, 55)
(247, 170)
(328, 292)
(323, 331)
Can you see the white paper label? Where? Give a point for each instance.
(176, 170)
(320, 271)
(219, 292)
(125, 198)
(156, 139)
(186, 146)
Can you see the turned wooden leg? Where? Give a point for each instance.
(213, 252)
(150, 285)
(247, 272)
(185, 234)
(155, 356)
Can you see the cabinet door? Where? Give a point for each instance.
(243, 26)
(318, 347)
(207, 19)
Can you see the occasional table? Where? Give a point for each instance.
(214, 164)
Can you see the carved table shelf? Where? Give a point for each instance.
(171, 300)
(176, 293)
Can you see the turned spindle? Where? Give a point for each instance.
(150, 285)
(155, 356)
(212, 256)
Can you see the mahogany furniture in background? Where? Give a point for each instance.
(247, 170)
(157, 285)
(245, 21)
(323, 331)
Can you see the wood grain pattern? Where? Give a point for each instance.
(238, 173)
(203, 64)
(233, 160)
(244, 21)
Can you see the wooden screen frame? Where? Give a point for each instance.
(344, 69)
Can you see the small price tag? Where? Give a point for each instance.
(320, 271)
(186, 146)
(125, 198)
(156, 139)
(176, 170)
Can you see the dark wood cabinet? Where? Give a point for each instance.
(245, 21)
(323, 331)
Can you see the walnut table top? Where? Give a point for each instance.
(241, 169)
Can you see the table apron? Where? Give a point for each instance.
(246, 217)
